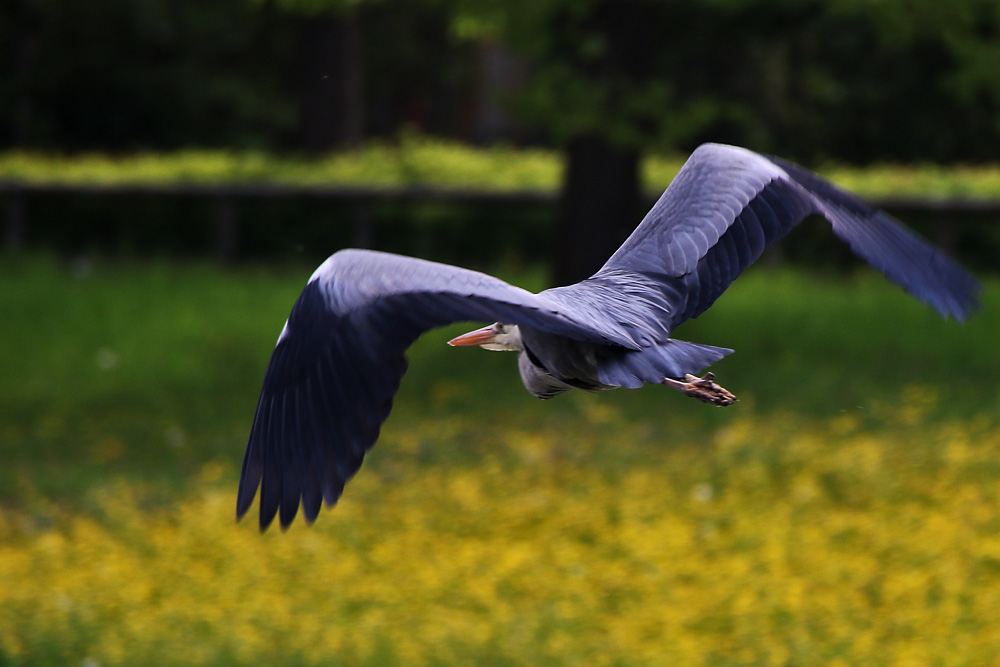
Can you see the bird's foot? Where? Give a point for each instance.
(702, 388)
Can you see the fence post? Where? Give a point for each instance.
(225, 228)
(16, 221)
(945, 233)
(364, 235)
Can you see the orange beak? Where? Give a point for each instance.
(477, 337)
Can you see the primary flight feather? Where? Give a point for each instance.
(340, 357)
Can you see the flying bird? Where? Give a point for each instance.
(340, 357)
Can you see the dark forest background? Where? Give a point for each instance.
(850, 81)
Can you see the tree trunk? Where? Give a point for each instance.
(331, 112)
(499, 74)
(598, 207)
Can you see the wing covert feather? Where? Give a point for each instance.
(728, 203)
(708, 193)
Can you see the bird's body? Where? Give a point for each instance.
(340, 357)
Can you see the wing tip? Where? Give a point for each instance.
(250, 478)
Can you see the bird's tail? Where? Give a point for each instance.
(672, 358)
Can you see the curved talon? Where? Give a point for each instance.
(702, 388)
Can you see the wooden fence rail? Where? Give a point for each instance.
(226, 223)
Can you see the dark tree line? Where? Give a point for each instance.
(124, 75)
(844, 79)
(850, 80)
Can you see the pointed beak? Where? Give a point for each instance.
(477, 337)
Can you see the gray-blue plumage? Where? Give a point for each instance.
(339, 360)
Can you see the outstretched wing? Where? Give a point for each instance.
(339, 360)
(727, 204)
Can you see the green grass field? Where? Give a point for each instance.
(845, 511)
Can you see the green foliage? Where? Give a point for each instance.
(592, 75)
(812, 79)
(411, 162)
(420, 162)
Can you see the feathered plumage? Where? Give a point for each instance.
(339, 360)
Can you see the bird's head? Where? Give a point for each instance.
(498, 336)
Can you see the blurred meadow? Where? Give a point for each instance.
(844, 511)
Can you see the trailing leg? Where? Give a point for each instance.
(702, 388)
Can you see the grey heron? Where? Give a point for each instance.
(340, 357)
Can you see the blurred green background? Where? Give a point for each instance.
(171, 173)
